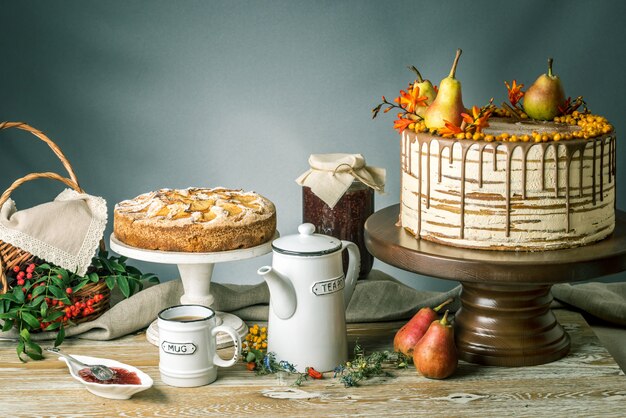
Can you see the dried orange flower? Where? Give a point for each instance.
(449, 129)
(479, 118)
(475, 115)
(411, 100)
(515, 92)
(401, 124)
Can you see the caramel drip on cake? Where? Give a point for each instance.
(581, 161)
(555, 147)
(439, 163)
(601, 170)
(409, 157)
(427, 175)
(544, 147)
(610, 160)
(481, 149)
(571, 147)
(495, 156)
(465, 148)
(593, 174)
(419, 186)
(524, 157)
(569, 153)
(509, 155)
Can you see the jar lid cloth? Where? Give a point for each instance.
(331, 175)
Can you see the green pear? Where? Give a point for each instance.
(543, 98)
(448, 105)
(426, 89)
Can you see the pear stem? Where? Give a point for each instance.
(419, 76)
(443, 304)
(550, 67)
(416, 71)
(454, 64)
(444, 320)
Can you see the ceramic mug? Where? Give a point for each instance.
(187, 354)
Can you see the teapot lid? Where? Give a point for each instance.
(306, 243)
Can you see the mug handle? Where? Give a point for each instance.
(217, 360)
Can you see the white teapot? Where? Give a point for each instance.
(308, 299)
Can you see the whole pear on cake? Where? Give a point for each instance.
(448, 105)
(413, 331)
(435, 356)
(543, 98)
(426, 90)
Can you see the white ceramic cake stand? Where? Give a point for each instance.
(195, 271)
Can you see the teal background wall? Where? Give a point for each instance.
(148, 94)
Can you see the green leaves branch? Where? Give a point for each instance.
(50, 282)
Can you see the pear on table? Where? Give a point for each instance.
(414, 330)
(448, 105)
(543, 98)
(435, 355)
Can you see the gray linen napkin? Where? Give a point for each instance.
(606, 301)
(377, 298)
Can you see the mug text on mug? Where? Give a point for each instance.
(329, 286)
(178, 348)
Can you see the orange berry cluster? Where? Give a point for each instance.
(591, 126)
(256, 338)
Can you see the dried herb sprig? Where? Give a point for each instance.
(367, 366)
(362, 367)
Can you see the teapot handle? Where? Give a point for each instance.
(354, 267)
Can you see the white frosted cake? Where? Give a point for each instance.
(530, 192)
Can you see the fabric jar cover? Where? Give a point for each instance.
(331, 175)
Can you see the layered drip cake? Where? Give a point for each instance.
(195, 220)
(528, 194)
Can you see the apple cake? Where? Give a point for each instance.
(551, 188)
(195, 220)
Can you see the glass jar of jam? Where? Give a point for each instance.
(346, 220)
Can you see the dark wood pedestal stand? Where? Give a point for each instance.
(505, 317)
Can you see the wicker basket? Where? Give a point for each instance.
(11, 256)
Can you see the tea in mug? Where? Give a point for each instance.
(187, 318)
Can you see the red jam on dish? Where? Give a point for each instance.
(120, 377)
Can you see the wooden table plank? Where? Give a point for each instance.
(586, 382)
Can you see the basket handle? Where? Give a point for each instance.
(32, 176)
(57, 151)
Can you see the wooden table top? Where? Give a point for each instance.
(586, 382)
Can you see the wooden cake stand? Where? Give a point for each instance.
(505, 317)
(196, 270)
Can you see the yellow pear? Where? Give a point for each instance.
(426, 90)
(448, 105)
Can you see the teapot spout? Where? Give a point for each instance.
(282, 293)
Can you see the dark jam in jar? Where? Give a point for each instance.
(345, 221)
(120, 377)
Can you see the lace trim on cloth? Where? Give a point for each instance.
(77, 263)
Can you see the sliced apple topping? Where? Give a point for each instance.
(201, 205)
(231, 209)
(206, 216)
